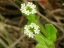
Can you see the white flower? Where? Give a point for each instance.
(36, 28)
(31, 33)
(26, 27)
(28, 8)
(37, 31)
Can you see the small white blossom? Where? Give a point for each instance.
(31, 6)
(26, 27)
(63, 4)
(37, 31)
(29, 32)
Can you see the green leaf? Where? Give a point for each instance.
(44, 42)
(41, 46)
(48, 42)
(40, 39)
(51, 32)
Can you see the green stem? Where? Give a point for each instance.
(5, 31)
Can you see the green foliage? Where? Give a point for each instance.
(41, 46)
(51, 32)
(40, 39)
(47, 42)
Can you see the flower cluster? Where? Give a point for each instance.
(31, 33)
(28, 8)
